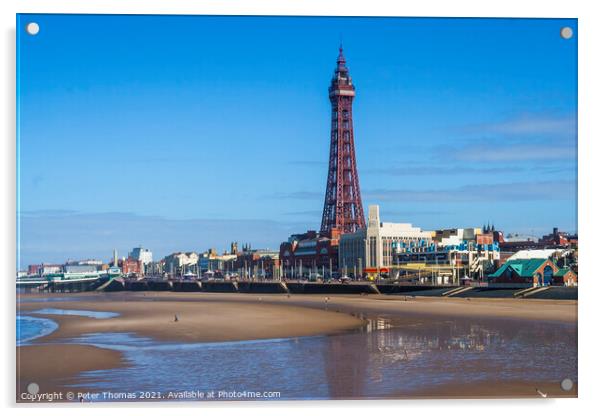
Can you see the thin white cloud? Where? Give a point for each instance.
(529, 124)
(512, 152)
(507, 192)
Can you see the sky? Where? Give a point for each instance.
(181, 133)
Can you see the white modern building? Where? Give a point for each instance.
(538, 254)
(144, 255)
(370, 250)
(180, 263)
(455, 236)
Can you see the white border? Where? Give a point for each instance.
(590, 68)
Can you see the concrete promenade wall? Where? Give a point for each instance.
(186, 286)
(331, 288)
(262, 287)
(114, 285)
(160, 285)
(558, 293)
(137, 286)
(390, 289)
(219, 286)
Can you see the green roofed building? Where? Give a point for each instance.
(565, 277)
(538, 272)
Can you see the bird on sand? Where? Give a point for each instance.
(175, 318)
(541, 393)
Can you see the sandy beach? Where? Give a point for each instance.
(200, 319)
(215, 317)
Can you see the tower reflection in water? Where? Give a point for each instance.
(388, 358)
(398, 357)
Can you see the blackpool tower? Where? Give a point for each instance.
(343, 201)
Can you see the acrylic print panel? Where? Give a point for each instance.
(170, 167)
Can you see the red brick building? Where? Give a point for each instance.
(559, 238)
(565, 277)
(309, 254)
(130, 266)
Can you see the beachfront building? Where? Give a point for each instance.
(253, 264)
(81, 268)
(211, 261)
(310, 255)
(453, 255)
(443, 264)
(130, 267)
(180, 263)
(565, 277)
(143, 255)
(370, 251)
(43, 269)
(534, 271)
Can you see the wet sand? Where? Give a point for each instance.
(52, 367)
(494, 390)
(213, 317)
(234, 318)
(501, 308)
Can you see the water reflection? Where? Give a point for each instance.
(409, 357)
(76, 312)
(389, 357)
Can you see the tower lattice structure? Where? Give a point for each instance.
(343, 201)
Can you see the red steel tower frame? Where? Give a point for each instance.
(343, 202)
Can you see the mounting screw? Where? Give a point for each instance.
(32, 28)
(566, 32)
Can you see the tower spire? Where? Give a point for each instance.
(341, 60)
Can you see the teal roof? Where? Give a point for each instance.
(522, 267)
(562, 272)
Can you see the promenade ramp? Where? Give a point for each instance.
(113, 285)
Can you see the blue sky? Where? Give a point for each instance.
(188, 132)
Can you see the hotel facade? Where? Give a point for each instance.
(369, 250)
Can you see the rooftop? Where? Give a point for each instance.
(522, 267)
